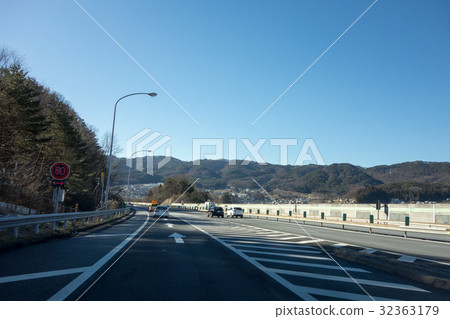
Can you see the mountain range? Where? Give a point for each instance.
(334, 179)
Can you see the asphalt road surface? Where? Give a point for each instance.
(192, 257)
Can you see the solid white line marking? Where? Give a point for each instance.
(77, 282)
(349, 280)
(408, 259)
(44, 274)
(295, 263)
(276, 248)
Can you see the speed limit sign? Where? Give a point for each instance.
(60, 170)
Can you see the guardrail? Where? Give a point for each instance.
(385, 229)
(36, 220)
(17, 200)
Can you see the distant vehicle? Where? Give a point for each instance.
(209, 205)
(235, 212)
(162, 211)
(153, 205)
(216, 211)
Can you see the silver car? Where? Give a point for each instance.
(235, 212)
(161, 211)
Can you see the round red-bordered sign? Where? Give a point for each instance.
(60, 170)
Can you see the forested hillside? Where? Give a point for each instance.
(410, 181)
(37, 128)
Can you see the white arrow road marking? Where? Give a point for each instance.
(178, 238)
(169, 225)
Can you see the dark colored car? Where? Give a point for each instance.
(216, 211)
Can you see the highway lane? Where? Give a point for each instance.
(217, 259)
(39, 271)
(297, 262)
(195, 268)
(439, 251)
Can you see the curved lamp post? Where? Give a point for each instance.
(112, 139)
(129, 171)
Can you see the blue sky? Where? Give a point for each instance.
(380, 95)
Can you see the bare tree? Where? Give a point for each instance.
(105, 144)
(8, 58)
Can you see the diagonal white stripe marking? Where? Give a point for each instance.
(349, 280)
(369, 251)
(311, 241)
(246, 251)
(408, 259)
(276, 248)
(231, 240)
(341, 294)
(44, 274)
(296, 263)
(340, 245)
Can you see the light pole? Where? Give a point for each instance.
(129, 171)
(112, 139)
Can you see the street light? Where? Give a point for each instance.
(129, 171)
(112, 139)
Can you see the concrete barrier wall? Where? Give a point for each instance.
(420, 213)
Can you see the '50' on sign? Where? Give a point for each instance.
(60, 170)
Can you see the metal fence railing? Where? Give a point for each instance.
(86, 217)
(18, 200)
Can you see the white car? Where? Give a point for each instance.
(161, 211)
(235, 212)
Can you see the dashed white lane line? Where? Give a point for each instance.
(408, 259)
(44, 274)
